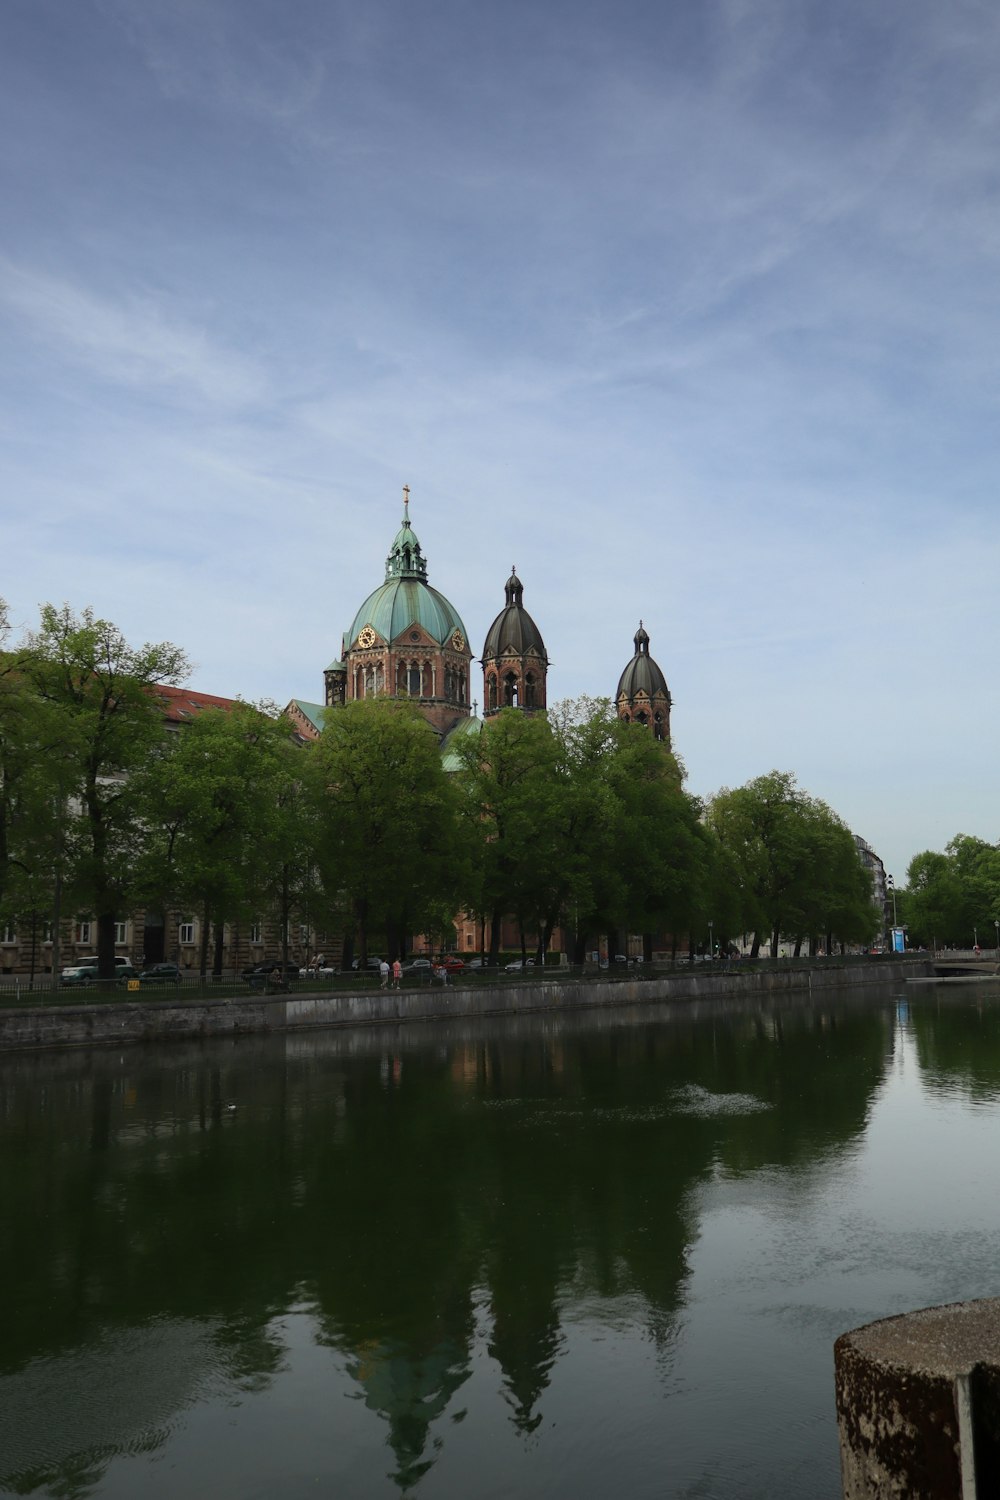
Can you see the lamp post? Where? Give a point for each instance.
(711, 940)
(996, 924)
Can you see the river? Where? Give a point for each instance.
(579, 1258)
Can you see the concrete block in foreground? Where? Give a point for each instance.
(918, 1405)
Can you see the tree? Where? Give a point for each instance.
(30, 800)
(955, 895)
(514, 806)
(795, 862)
(640, 857)
(103, 692)
(215, 806)
(388, 840)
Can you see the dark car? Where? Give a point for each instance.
(161, 974)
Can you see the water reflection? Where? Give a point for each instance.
(443, 1206)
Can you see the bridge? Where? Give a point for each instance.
(959, 964)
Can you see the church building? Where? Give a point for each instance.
(408, 641)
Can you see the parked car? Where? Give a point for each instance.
(86, 973)
(318, 971)
(124, 967)
(518, 964)
(418, 966)
(451, 962)
(161, 974)
(372, 965)
(78, 975)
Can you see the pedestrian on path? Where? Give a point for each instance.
(397, 973)
(383, 969)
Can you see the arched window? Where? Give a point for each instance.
(626, 718)
(529, 690)
(658, 725)
(641, 717)
(510, 690)
(491, 692)
(413, 680)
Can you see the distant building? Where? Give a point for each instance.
(876, 869)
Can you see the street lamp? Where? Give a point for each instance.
(996, 924)
(711, 943)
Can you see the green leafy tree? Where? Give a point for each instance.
(641, 859)
(954, 896)
(389, 844)
(103, 693)
(31, 807)
(514, 803)
(795, 863)
(216, 809)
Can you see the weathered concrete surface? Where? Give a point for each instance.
(154, 1020)
(918, 1405)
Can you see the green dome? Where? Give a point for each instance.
(401, 602)
(406, 598)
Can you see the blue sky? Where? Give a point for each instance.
(690, 310)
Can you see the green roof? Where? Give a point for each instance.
(314, 712)
(449, 757)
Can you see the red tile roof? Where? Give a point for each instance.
(181, 704)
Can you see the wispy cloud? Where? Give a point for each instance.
(132, 340)
(201, 50)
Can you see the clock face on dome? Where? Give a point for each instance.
(458, 640)
(367, 636)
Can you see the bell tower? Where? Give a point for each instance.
(515, 662)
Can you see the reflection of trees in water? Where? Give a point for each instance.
(395, 1187)
(958, 1041)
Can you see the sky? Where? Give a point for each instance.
(689, 309)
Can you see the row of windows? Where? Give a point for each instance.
(86, 932)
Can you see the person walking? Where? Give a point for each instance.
(383, 969)
(397, 973)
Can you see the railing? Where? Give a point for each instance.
(18, 990)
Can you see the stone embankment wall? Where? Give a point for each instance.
(164, 1020)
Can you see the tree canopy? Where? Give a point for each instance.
(572, 818)
(795, 864)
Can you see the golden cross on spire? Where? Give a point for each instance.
(406, 500)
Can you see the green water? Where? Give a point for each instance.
(602, 1257)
